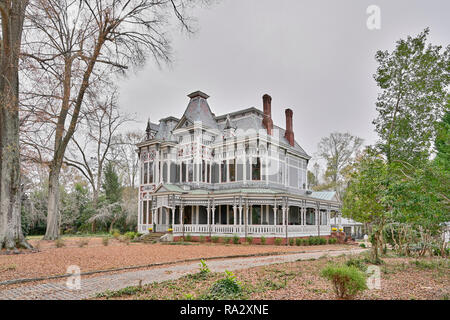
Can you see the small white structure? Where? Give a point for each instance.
(351, 227)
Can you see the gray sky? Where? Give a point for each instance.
(315, 57)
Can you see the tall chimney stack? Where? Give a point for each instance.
(267, 120)
(289, 134)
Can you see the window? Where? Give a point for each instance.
(191, 171)
(223, 168)
(150, 172)
(232, 168)
(310, 217)
(183, 172)
(203, 171)
(145, 172)
(256, 169)
(144, 212)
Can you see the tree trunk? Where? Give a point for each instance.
(12, 17)
(53, 217)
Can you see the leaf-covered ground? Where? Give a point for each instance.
(401, 278)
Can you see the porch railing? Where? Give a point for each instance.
(279, 230)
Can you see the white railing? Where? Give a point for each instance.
(279, 230)
(161, 227)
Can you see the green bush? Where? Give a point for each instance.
(249, 240)
(263, 240)
(362, 245)
(311, 241)
(347, 281)
(188, 237)
(83, 242)
(357, 263)
(226, 288)
(278, 241)
(298, 241)
(214, 239)
(332, 240)
(115, 233)
(226, 240)
(236, 239)
(60, 243)
(202, 239)
(130, 235)
(291, 241)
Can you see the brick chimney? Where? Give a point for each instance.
(289, 134)
(267, 120)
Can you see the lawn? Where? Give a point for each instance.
(91, 254)
(401, 278)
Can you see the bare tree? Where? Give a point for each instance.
(126, 157)
(12, 15)
(80, 41)
(95, 138)
(338, 149)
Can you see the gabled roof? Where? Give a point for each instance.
(168, 188)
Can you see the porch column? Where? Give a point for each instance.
(275, 209)
(213, 210)
(234, 215)
(304, 215)
(250, 219)
(283, 209)
(228, 214)
(267, 214)
(173, 216)
(197, 215)
(181, 214)
(240, 215)
(208, 211)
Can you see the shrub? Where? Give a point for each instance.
(311, 241)
(291, 241)
(278, 241)
(226, 240)
(235, 239)
(203, 273)
(298, 242)
(263, 240)
(362, 245)
(105, 241)
(83, 242)
(188, 237)
(249, 240)
(357, 263)
(202, 239)
(322, 241)
(347, 281)
(115, 233)
(130, 235)
(226, 288)
(332, 240)
(214, 239)
(60, 243)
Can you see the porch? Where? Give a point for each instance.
(253, 220)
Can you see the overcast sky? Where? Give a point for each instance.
(315, 57)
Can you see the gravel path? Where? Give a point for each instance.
(94, 285)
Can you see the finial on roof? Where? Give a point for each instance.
(228, 122)
(198, 94)
(148, 130)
